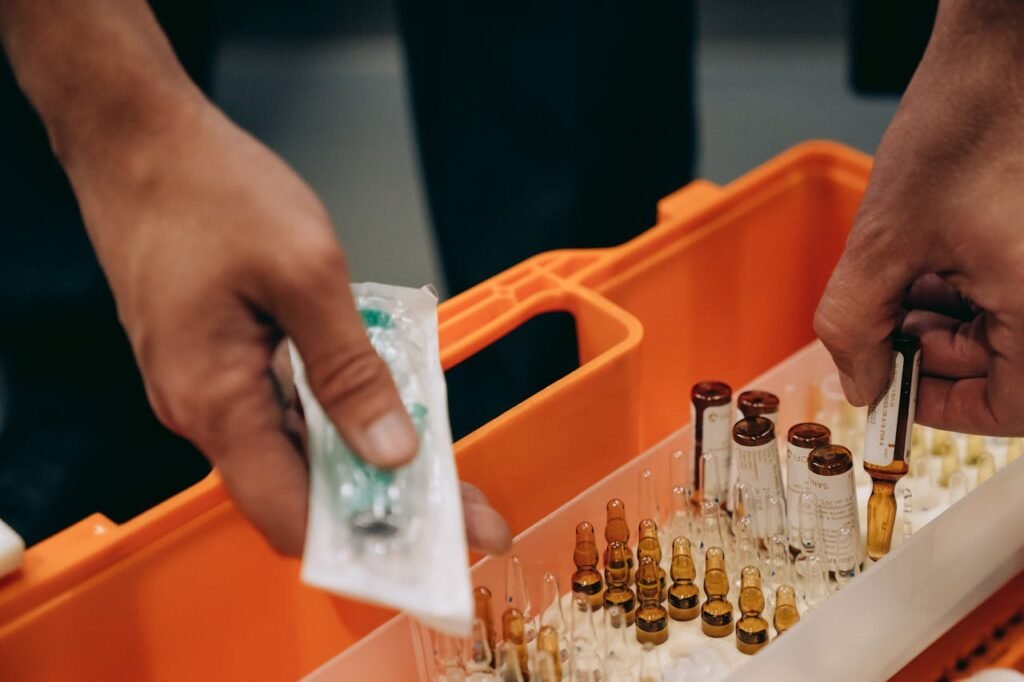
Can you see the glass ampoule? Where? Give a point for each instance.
(908, 509)
(846, 565)
(482, 609)
(618, 656)
(549, 642)
(1014, 449)
(711, 532)
(680, 521)
(887, 442)
(552, 614)
(786, 613)
(513, 630)
(778, 566)
(950, 464)
(757, 404)
(757, 463)
(480, 661)
(746, 547)
(683, 594)
(751, 628)
(616, 528)
(647, 499)
(975, 449)
(447, 658)
(711, 421)
(958, 487)
(923, 480)
(811, 565)
(741, 502)
(830, 477)
(651, 617)
(774, 519)
(616, 575)
(800, 441)
(649, 544)
(986, 466)
(649, 668)
(716, 611)
(713, 478)
(680, 469)
(509, 668)
(546, 668)
(586, 658)
(517, 595)
(586, 580)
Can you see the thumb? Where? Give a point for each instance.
(349, 379)
(861, 308)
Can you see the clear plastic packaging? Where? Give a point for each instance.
(395, 538)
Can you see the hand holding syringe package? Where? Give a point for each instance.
(392, 537)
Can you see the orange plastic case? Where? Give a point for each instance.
(724, 286)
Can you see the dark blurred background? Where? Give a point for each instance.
(323, 84)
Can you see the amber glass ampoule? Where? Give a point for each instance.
(800, 441)
(757, 465)
(758, 404)
(586, 580)
(751, 628)
(547, 641)
(786, 613)
(513, 630)
(616, 529)
(651, 616)
(482, 606)
(683, 595)
(649, 545)
(716, 611)
(887, 442)
(616, 576)
(830, 472)
(711, 421)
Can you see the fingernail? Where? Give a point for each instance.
(392, 440)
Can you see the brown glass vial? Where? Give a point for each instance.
(751, 628)
(800, 441)
(758, 404)
(513, 630)
(786, 613)
(586, 580)
(683, 595)
(649, 545)
(887, 441)
(651, 616)
(547, 641)
(711, 420)
(830, 476)
(616, 576)
(716, 611)
(482, 606)
(757, 463)
(616, 529)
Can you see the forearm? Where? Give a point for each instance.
(97, 71)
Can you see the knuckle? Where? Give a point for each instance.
(346, 374)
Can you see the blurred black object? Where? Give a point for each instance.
(887, 40)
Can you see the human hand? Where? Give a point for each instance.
(215, 251)
(938, 242)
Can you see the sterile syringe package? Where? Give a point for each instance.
(396, 538)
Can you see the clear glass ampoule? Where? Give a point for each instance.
(779, 566)
(618, 657)
(757, 463)
(811, 566)
(508, 668)
(518, 596)
(680, 520)
(513, 631)
(950, 464)
(552, 615)
(616, 528)
(786, 613)
(751, 628)
(711, 532)
(958, 486)
(986, 466)
(650, 666)
(683, 595)
(1014, 449)
(846, 565)
(746, 547)
(908, 509)
(716, 611)
(830, 477)
(649, 544)
(800, 441)
(586, 659)
(680, 469)
(651, 617)
(616, 576)
(447, 658)
(887, 442)
(482, 608)
(647, 504)
(711, 421)
(480, 661)
(548, 642)
(586, 580)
